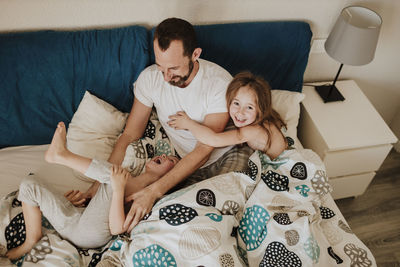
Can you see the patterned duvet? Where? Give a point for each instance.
(279, 213)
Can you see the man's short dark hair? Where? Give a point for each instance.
(174, 29)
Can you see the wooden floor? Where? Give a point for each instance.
(375, 216)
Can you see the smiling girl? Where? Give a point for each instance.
(249, 102)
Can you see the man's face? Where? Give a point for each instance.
(175, 67)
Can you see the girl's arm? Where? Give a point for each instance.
(206, 135)
(119, 177)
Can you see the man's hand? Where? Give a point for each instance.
(143, 201)
(179, 121)
(77, 198)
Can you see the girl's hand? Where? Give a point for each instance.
(179, 121)
(119, 177)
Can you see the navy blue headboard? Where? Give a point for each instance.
(277, 51)
(44, 75)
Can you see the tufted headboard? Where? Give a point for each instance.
(44, 74)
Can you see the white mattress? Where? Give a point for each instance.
(18, 162)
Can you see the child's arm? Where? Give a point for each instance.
(204, 134)
(119, 177)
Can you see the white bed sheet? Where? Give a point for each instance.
(17, 162)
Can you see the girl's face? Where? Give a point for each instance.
(243, 108)
(161, 164)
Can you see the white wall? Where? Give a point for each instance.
(380, 79)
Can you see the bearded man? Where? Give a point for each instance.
(179, 81)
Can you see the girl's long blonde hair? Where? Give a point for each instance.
(265, 113)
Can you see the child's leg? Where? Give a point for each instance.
(33, 227)
(58, 152)
(38, 199)
(93, 230)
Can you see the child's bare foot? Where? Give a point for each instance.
(58, 147)
(18, 252)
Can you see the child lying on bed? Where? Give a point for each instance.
(104, 216)
(249, 103)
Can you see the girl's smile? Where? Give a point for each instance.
(243, 107)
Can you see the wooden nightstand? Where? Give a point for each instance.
(350, 137)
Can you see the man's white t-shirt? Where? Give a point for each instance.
(204, 95)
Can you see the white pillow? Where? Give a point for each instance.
(94, 128)
(287, 104)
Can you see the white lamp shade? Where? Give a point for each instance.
(354, 37)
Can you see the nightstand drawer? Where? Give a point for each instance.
(352, 161)
(352, 185)
(350, 136)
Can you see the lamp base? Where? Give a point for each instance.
(329, 93)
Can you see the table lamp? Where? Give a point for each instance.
(352, 41)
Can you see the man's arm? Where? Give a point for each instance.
(134, 129)
(194, 160)
(144, 200)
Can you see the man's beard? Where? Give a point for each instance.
(182, 79)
